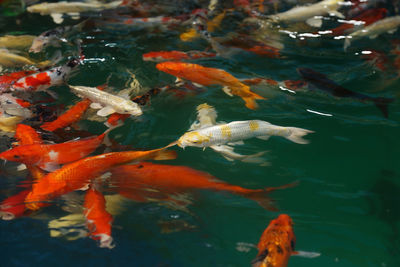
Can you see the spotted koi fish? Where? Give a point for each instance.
(43, 80)
(97, 218)
(238, 131)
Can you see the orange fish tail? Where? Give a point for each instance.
(165, 155)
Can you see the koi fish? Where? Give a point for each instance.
(133, 181)
(372, 31)
(9, 123)
(13, 206)
(56, 10)
(97, 218)
(238, 131)
(209, 76)
(10, 60)
(276, 243)
(14, 106)
(309, 12)
(321, 82)
(106, 102)
(16, 41)
(42, 80)
(78, 174)
(201, 23)
(366, 18)
(50, 156)
(6, 80)
(161, 56)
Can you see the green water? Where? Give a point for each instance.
(345, 206)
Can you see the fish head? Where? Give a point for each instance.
(171, 67)
(19, 154)
(131, 108)
(193, 138)
(38, 44)
(284, 225)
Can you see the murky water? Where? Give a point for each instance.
(345, 206)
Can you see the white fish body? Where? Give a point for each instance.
(108, 103)
(238, 131)
(303, 13)
(70, 7)
(389, 25)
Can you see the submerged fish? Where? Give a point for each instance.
(276, 243)
(134, 181)
(387, 25)
(322, 82)
(16, 41)
(174, 55)
(210, 76)
(9, 59)
(50, 156)
(79, 174)
(238, 131)
(98, 220)
(42, 80)
(106, 102)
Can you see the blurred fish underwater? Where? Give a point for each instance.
(261, 110)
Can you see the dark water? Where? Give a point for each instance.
(344, 207)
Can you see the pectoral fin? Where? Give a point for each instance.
(314, 22)
(50, 166)
(227, 90)
(57, 17)
(105, 111)
(336, 13)
(74, 15)
(306, 254)
(96, 106)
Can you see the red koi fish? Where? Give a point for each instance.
(276, 243)
(49, 156)
(6, 80)
(97, 218)
(134, 182)
(42, 80)
(367, 17)
(161, 56)
(78, 174)
(210, 76)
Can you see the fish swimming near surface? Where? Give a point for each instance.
(323, 83)
(276, 243)
(10, 59)
(98, 220)
(40, 81)
(308, 13)
(50, 156)
(107, 103)
(135, 182)
(79, 174)
(386, 25)
(56, 10)
(211, 76)
(240, 130)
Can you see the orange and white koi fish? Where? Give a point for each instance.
(80, 173)
(276, 243)
(50, 156)
(210, 76)
(14, 106)
(134, 182)
(174, 55)
(43, 80)
(6, 80)
(97, 218)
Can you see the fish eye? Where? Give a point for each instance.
(17, 157)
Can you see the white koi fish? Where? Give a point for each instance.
(106, 102)
(372, 31)
(309, 12)
(56, 10)
(238, 131)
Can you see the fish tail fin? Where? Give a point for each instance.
(296, 135)
(165, 155)
(104, 136)
(382, 104)
(347, 43)
(250, 100)
(261, 196)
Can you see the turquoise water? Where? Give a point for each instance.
(345, 206)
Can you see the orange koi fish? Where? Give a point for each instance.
(97, 218)
(366, 18)
(209, 76)
(134, 182)
(42, 80)
(14, 206)
(174, 55)
(49, 156)
(276, 243)
(78, 174)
